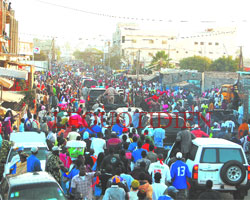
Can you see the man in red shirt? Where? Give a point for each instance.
(198, 132)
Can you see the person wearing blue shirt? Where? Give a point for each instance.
(118, 129)
(159, 136)
(135, 118)
(33, 163)
(21, 127)
(137, 153)
(179, 173)
(132, 146)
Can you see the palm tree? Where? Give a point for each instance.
(160, 60)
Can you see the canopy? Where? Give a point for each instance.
(12, 97)
(6, 83)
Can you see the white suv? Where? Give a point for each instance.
(220, 161)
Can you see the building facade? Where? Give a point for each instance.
(138, 44)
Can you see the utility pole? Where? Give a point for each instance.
(168, 54)
(138, 65)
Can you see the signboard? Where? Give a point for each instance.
(36, 50)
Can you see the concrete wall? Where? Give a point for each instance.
(216, 79)
(211, 79)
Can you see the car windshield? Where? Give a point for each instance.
(96, 93)
(38, 191)
(89, 83)
(41, 153)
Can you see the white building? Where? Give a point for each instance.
(135, 43)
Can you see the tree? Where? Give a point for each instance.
(160, 60)
(90, 56)
(224, 64)
(196, 63)
(43, 56)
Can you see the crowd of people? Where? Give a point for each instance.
(119, 162)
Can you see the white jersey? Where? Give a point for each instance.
(163, 169)
(230, 124)
(158, 190)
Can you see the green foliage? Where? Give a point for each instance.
(22, 84)
(196, 63)
(43, 56)
(160, 60)
(90, 56)
(224, 64)
(29, 97)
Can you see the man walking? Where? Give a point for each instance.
(179, 174)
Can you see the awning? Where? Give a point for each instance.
(21, 74)
(6, 83)
(12, 97)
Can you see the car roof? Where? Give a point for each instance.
(97, 89)
(31, 178)
(155, 115)
(214, 142)
(125, 109)
(29, 136)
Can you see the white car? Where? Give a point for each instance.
(220, 161)
(27, 140)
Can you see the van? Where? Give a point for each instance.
(89, 83)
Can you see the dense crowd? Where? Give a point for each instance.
(119, 162)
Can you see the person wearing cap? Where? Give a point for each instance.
(133, 194)
(179, 174)
(33, 163)
(16, 158)
(21, 166)
(54, 164)
(158, 188)
(115, 192)
(198, 132)
(170, 194)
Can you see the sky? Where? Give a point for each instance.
(40, 19)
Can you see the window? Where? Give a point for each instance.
(210, 52)
(193, 152)
(227, 155)
(133, 41)
(202, 43)
(216, 43)
(195, 43)
(177, 51)
(122, 52)
(208, 156)
(200, 52)
(151, 41)
(186, 51)
(210, 43)
(164, 42)
(123, 39)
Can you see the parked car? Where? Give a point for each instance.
(220, 161)
(38, 185)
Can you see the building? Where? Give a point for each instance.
(138, 44)
(26, 49)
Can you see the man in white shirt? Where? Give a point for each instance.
(160, 167)
(158, 188)
(98, 144)
(73, 134)
(230, 124)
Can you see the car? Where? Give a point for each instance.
(170, 122)
(93, 94)
(89, 83)
(218, 160)
(27, 140)
(12, 159)
(34, 185)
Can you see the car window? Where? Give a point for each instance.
(41, 153)
(89, 83)
(227, 154)
(96, 93)
(193, 152)
(39, 191)
(208, 155)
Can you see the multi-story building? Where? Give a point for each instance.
(135, 43)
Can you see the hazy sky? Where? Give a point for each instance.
(37, 18)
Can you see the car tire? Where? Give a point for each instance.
(233, 173)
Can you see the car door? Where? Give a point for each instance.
(209, 168)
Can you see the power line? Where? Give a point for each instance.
(125, 17)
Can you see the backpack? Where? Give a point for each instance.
(28, 125)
